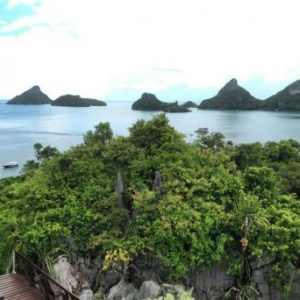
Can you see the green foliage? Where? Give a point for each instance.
(206, 140)
(153, 134)
(42, 152)
(215, 202)
(101, 135)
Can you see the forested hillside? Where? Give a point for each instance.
(152, 199)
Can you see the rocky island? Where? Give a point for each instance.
(287, 99)
(149, 102)
(232, 97)
(33, 96)
(94, 102)
(190, 104)
(76, 101)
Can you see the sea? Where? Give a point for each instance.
(21, 126)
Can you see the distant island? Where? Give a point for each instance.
(32, 96)
(76, 101)
(189, 104)
(287, 99)
(230, 97)
(149, 102)
(234, 97)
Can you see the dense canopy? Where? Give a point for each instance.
(212, 201)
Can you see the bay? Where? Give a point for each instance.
(21, 126)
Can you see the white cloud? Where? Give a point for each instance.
(21, 23)
(91, 47)
(13, 3)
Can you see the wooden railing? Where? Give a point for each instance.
(49, 287)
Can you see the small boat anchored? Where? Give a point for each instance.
(10, 164)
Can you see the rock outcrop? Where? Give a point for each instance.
(212, 283)
(287, 99)
(149, 290)
(65, 273)
(232, 97)
(122, 291)
(33, 96)
(76, 101)
(149, 102)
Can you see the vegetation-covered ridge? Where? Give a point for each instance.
(149, 102)
(76, 101)
(231, 96)
(234, 97)
(152, 200)
(32, 96)
(287, 99)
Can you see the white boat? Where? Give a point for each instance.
(10, 164)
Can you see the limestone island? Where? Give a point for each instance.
(149, 102)
(287, 99)
(33, 96)
(190, 104)
(232, 97)
(76, 101)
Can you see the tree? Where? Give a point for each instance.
(153, 134)
(101, 135)
(42, 152)
(206, 140)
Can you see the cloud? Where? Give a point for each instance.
(22, 23)
(14, 3)
(93, 47)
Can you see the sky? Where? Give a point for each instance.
(176, 49)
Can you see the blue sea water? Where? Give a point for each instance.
(21, 126)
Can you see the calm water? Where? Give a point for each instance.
(23, 126)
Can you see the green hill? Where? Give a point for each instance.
(231, 97)
(190, 104)
(287, 99)
(149, 102)
(77, 101)
(94, 102)
(33, 96)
